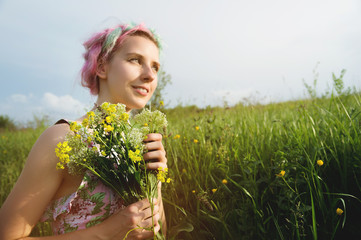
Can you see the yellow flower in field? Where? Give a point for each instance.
(95, 149)
(281, 174)
(145, 124)
(319, 163)
(197, 128)
(193, 191)
(78, 136)
(195, 141)
(103, 153)
(224, 181)
(214, 190)
(84, 159)
(177, 136)
(161, 103)
(168, 180)
(339, 211)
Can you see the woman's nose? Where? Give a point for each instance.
(148, 73)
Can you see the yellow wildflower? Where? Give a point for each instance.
(281, 174)
(108, 128)
(319, 163)
(168, 180)
(214, 190)
(197, 128)
(177, 136)
(108, 119)
(135, 156)
(74, 126)
(85, 122)
(162, 174)
(224, 181)
(339, 211)
(195, 141)
(145, 124)
(124, 116)
(193, 191)
(161, 103)
(61, 152)
(103, 153)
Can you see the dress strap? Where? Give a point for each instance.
(62, 121)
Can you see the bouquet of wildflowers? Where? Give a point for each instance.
(110, 145)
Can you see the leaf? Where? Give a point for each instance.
(183, 226)
(137, 176)
(94, 221)
(98, 200)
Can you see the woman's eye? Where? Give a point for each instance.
(135, 60)
(156, 68)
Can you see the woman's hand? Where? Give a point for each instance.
(131, 221)
(155, 153)
(155, 157)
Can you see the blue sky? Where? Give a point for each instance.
(214, 50)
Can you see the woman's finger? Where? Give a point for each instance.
(151, 137)
(156, 165)
(156, 145)
(158, 155)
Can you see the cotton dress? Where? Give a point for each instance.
(91, 204)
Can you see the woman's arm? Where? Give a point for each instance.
(35, 187)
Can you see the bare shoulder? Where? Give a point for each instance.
(47, 142)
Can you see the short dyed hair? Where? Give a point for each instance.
(100, 49)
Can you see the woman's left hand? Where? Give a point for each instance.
(155, 157)
(155, 153)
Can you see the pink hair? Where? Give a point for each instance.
(101, 47)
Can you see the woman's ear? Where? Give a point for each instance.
(102, 70)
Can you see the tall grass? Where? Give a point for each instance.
(226, 165)
(249, 147)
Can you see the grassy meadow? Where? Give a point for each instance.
(279, 171)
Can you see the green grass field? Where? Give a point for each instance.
(250, 172)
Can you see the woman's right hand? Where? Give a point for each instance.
(132, 220)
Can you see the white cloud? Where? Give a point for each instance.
(65, 103)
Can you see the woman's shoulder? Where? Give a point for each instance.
(57, 131)
(53, 135)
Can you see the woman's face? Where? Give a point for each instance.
(131, 75)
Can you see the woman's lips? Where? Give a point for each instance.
(141, 90)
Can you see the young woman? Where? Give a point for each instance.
(120, 66)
